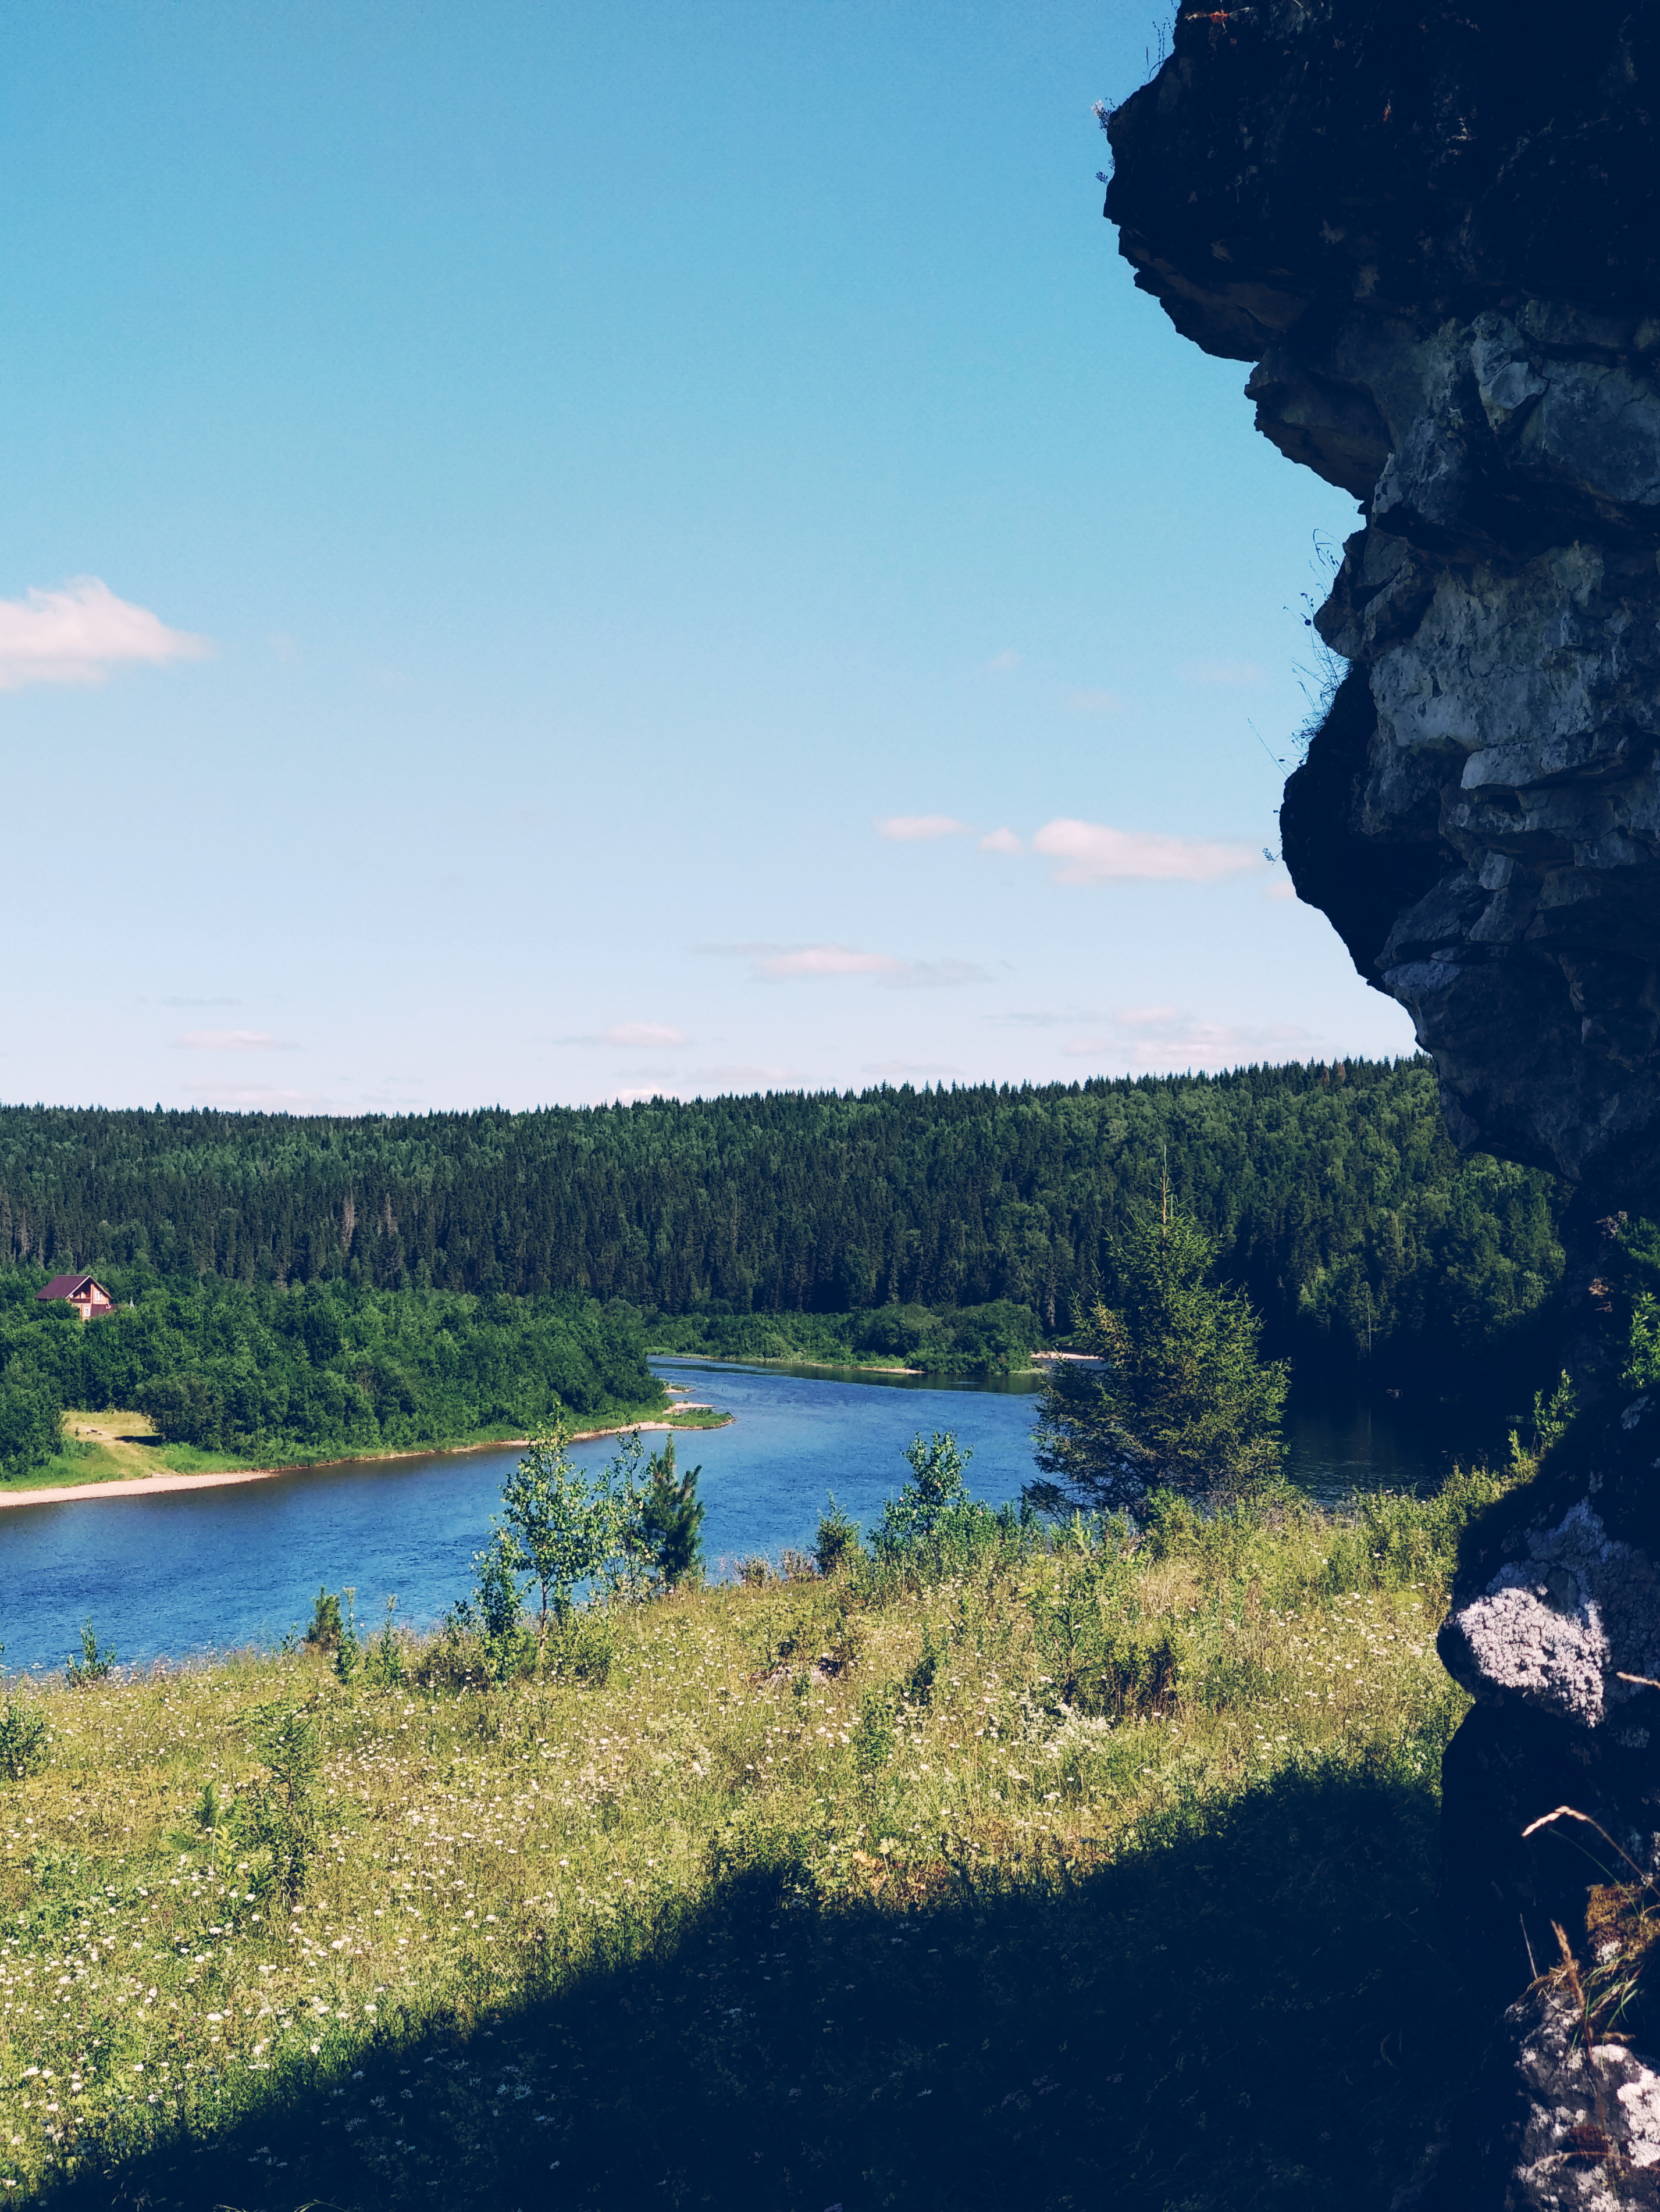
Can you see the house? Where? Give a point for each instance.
(84, 1292)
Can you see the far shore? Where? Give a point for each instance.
(150, 1486)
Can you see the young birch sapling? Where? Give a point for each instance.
(564, 1527)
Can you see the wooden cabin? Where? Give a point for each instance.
(84, 1292)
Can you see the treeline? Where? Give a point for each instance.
(1339, 1203)
(330, 1366)
(990, 1340)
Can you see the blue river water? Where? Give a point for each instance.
(184, 1572)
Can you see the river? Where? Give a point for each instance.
(185, 1572)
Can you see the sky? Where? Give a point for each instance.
(562, 552)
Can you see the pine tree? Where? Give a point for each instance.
(1184, 1402)
(671, 1520)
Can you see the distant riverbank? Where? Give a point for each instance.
(167, 1478)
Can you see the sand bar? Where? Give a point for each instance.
(151, 1485)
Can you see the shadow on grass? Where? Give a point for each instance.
(1254, 2013)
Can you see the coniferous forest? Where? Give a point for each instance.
(1341, 1207)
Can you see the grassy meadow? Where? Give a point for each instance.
(1048, 1872)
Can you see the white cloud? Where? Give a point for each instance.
(911, 829)
(755, 1077)
(200, 1002)
(1239, 674)
(638, 1033)
(784, 964)
(1001, 662)
(1146, 1039)
(935, 974)
(1094, 702)
(258, 1098)
(1000, 841)
(906, 1070)
(826, 960)
(1092, 852)
(80, 632)
(233, 1040)
(1045, 1018)
(1280, 891)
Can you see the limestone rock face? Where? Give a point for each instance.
(1433, 227)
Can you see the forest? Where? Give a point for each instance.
(325, 1367)
(1341, 1207)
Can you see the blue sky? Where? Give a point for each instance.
(556, 552)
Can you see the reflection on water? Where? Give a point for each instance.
(1335, 1446)
(187, 1572)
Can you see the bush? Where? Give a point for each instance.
(24, 1737)
(837, 1544)
(94, 1663)
(279, 1814)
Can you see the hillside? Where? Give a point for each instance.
(1340, 1205)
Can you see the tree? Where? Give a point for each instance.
(935, 1492)
(671, 1520)
(1184, 1402)
(564, 1527)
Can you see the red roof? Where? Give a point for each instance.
(70, 1286)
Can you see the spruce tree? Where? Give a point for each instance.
(671, 1520)
(1183, 1400)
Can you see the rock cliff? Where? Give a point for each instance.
(1430, 225)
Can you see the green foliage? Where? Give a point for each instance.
(324, 1634)
(1155, 1802)
(1184, 1402)
(1338, 1204)
(564, 1527)
(384, 1659)
(934, 1529)
(24, 1738)
(670, 1520)
(94, 1663)
(836, 1546)
(279, 1814)
(935, 1494)
(29, 1413)
(347, 1648)
(1553, 1418)
(261, 1371)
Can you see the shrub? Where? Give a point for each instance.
(94, 1663)
(24, 1737)
(324, 1634)
(279, 1814)
(836, 1546)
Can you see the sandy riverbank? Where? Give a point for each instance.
(151, 1485)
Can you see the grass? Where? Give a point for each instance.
(1049, 1875)
(123, 1447)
